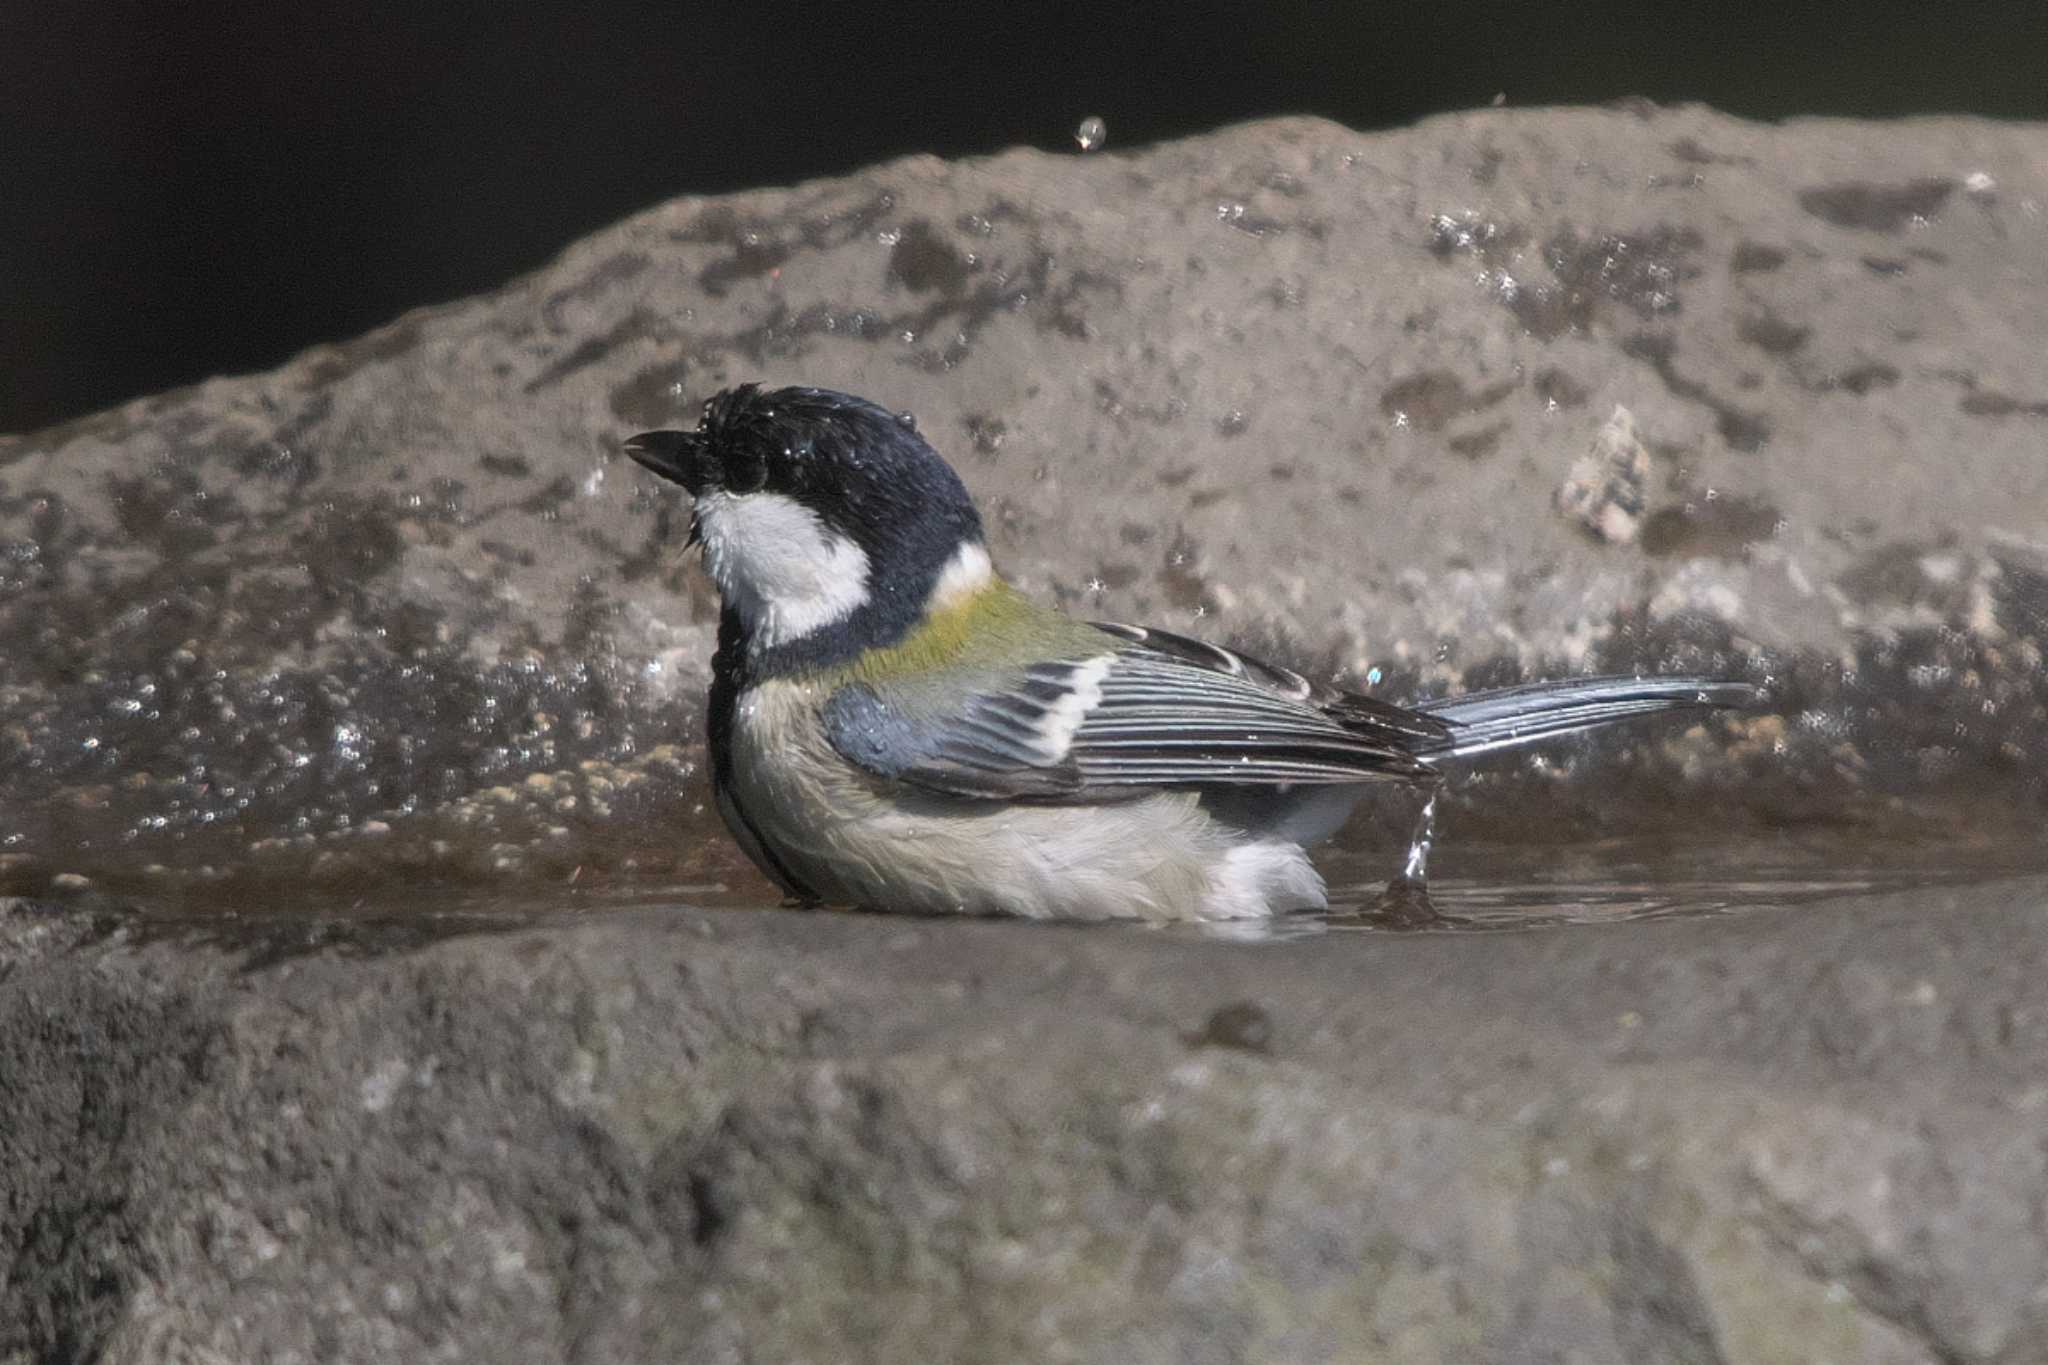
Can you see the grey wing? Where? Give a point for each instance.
(1354, 711)
(1161, 710)
(1001, 737)
(1181, 711)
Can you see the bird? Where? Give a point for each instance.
(893, 725)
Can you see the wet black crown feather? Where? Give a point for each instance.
(863, 470)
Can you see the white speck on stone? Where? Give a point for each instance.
(1941, 568)
(1698, 587)
(1980, 184)
(1606, 489)
(380, 1085)
(593, 481)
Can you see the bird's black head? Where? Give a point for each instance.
(826, 520)
(863, 469)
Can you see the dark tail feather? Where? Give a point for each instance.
(1513, 716)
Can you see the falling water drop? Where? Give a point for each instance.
(1416, 868)
(1405, 903)
(1092, 133)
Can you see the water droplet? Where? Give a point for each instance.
(1373, 676)
(1415, 867)
(1092, 133)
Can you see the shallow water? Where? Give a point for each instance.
(1476, 888)
(1520, 888)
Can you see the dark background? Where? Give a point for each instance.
(191, 189)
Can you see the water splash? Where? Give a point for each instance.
(1415, 867)
(1405, 904)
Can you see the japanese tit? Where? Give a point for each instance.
(894, 726)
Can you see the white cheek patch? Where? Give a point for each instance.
(781, 568)
(965, 574)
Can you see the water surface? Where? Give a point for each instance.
(1475, 887)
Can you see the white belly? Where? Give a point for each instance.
(858, 840)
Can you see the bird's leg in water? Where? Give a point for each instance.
(1416, 869)
(1405, 902)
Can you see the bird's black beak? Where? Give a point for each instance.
(678, 456)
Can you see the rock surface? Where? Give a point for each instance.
(1793, 1135)
(1500, 395)
(401, 604)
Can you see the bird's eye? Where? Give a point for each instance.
(746, 471)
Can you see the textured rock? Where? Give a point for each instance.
(1808, 1134)
(400, 609)
(399, 615)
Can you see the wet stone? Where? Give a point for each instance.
(1724, 526)
(1640, 271)
(1861, 380)
(755, 249)
(1755, 257)
(1990, 403)
(1877, 207)
(1772, 334)
(1741, 428)
(1244, 1026)
(986, 434)
(923, 260)
(651, 398)
(1432, 399)
(364, 829)
(1558, 389)
(1475, 445)
(506, 466)
(1286, 382)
